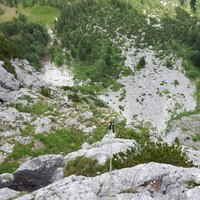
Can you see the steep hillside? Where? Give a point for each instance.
(69, 67)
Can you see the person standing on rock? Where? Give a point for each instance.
(112, 125)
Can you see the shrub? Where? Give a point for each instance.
(141, 63)
(8, 67)
(196, 138)
(74, 98)
(151, 152)
(46, 92)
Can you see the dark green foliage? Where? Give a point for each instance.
(75, 98)
(46, 92)
(94, 55)
(196, 138)
(84, 166)
(141, 63)
(23, 38)
(151, 152)
(8, 51)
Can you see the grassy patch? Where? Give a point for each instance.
(35, 109)
(84, 166)
(196, 138)
(42, 15)
(8, 167)
(65, 140)
(123, 132)
(151, 152)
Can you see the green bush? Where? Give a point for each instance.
(84, 166)
(151, 152)
(141, 63)
(46, 92)
(8, 67)
(75, 98)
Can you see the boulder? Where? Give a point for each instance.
(6, 180)
(101, 150)
(142, 182)
(42, 125)
(8, 80)
(37, 172)
(6, 194)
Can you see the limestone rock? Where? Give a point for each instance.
(58, 174)
(87, 115)
(101, 150)
(37, 172)
(7, 148)
(7, 79)
(142, 182)
(6, 194)
(43, 125)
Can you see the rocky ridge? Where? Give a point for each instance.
(146, 181)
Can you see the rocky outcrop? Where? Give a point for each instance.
(7, 193)
(11, 84)
(42, 125)
(37, 173)
(142, 182)
(101, 150)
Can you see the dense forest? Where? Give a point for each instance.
(23, 38)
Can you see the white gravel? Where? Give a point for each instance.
(57, 76)
(151, 95)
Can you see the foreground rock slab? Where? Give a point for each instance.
(37, 173)
(142, 182)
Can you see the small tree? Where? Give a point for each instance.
(141, 63)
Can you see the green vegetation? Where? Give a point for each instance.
(196, 138)
(143, 153)
(46, 92)
(35, 109)
(151, 152)
(40, 14)
(23, 38)
(84, 166)
(140, 64)
(140, 136)
(191, 184)
(1, 11)
(8, 167)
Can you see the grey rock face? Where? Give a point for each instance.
(101, 150)
(7, 193)
(8, 80)
(37, 172)
(185, 130)
(142, 182)
(43, 125)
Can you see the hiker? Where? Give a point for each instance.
(111, 125)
